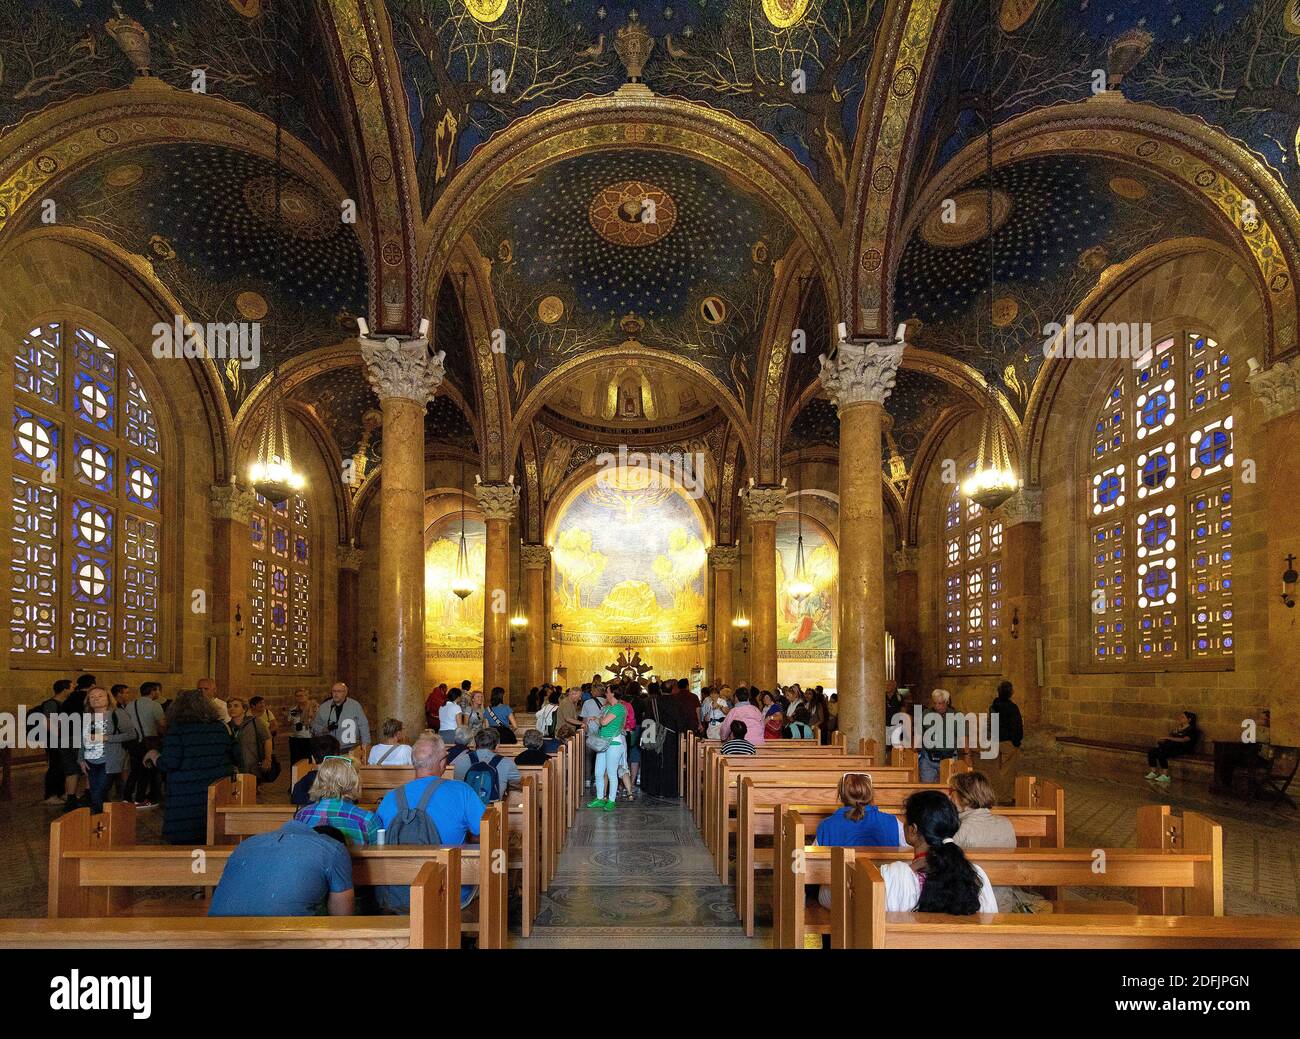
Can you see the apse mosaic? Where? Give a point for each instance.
(204, 217)
(738, 55)
(451, 622)
(609, 246)
(628, 561)
(805, 624)
(55, 50)
(1064, 220)
(1234, 63)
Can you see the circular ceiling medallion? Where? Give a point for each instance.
(785, 13)
(1015, 13)
(968, 218)
(759, 252)
(1128, 187)
(713, 310)
(1094, 258)
(124, 176)
(1005, 309)
(550, 310)
(107, 134)
(632, 212)
(305, 213)
(361, 69)
(486, 11)
(251, 305)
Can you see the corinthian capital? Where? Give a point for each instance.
(861, 373)
(763, 502)
(402, 368)
(1277, 387)
(724, 557)
(350, 557)
(907, 558)
(228, 502)
(534, 557)
(1025, 506)
(497, 500)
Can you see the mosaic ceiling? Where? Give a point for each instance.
(605, 247)
(204, 217)
(1232, 62)
(1059, 222)
(738, 55)
(55, 50)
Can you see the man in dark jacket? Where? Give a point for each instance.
(1010, 733)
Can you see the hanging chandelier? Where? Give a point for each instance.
(272, 474)
(740, 619)
(461, 583)
(800, 587)
(519, 619)
(993, 481)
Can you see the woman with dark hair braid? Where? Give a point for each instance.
(939, 879)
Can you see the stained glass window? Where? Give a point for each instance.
(972, 587)
(1159, 503)
(85, 577)
(280, 616)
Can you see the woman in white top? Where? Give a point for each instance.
(449, 717)
(939, 879)
(393, 750)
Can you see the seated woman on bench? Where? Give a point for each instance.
(859, 824)
(333, 804)
(1181, 741)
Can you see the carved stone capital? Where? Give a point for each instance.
(228, 502)
(534, 557)
(763, 502)
(1025, 506)
(402, 368)
(725, 557)
(350, 557)
(907, 558)
(861, 373)
(497, 500)
(1277, 387)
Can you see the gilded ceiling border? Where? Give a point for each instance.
(784, 311)
(1185, 151)
(621, 121)
(901, 71)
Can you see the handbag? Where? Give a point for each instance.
(505, 735)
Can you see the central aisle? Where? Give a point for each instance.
(637, 877)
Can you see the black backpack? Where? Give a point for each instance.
(483, 778)
(409, 826)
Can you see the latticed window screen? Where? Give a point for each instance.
(280, 614)
(1159, 507)
(87, 502)
(972, 576)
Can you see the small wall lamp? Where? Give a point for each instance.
(1015, 622)
(239, 620)
(374, 641)
(1289, 578)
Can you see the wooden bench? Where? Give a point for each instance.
(861, 922)
(1196, 767)
(762, 800)
(233, 814)
(95, 862)
(1197, 868)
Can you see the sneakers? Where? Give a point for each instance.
(56, 801)
(1163, 779)
(610, 806)
(599, 803)
(146, 804)
(1151, 775)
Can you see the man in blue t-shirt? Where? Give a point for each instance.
(292, 871)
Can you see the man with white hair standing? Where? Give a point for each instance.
(343, 718)
(937, 742)
(208, 686)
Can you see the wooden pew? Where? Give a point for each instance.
(1194, 870)
(858, 891)
(762, 800)
(94, 862)
(231, 819)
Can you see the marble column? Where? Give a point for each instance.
(231, 508)
(858, 380)
(763, 503)
(724, 559)
(498, 502)
(907, 607)
(536, 559)
(346, 643)
(1021, 517)
(1278, 390)
(405, 376)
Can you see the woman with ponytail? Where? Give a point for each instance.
(939, 879)
(859, 824)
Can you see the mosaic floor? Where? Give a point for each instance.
(640, 876)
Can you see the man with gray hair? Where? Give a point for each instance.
(463, 738)
(343, 718)
(936, 745)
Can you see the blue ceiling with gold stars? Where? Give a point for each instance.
(739, 55)
(1059, 222)
(204, 216)
(1234, 63)
(638, 244)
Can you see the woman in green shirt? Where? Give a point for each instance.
(610, 760)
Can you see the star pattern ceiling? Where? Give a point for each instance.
(204, 216)
(565, 282)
